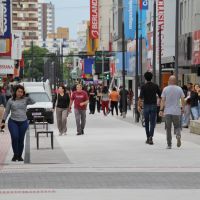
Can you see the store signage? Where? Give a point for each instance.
(6, 66)
(94, 23)
(144, 4)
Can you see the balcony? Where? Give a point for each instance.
(25, 19)
(25, 9)
(25, 28)
(30, 37)
(26, 1)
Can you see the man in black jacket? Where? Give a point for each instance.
(148, 97)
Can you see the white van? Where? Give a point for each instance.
(43, 105)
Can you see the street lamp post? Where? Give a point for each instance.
(123, 73)
(136, 71)
(176, 40)
(154, 41)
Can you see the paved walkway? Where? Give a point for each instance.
(111, 161)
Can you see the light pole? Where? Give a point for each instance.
(176, 40)
(154, 41)
(136, 70)
(44, 68)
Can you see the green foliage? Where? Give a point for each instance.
(35, 69)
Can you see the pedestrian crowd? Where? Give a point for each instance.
(177, 105)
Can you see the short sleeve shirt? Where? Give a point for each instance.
(172, 95)
(79, 97)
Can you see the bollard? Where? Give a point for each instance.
(27, 147)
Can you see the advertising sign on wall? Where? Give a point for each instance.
(6, 66)
(6, 22)
(94, 21)
(5, 47)
(129, 18)
(196, 48)
(143, 4)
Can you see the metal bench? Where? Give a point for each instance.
(44, 132)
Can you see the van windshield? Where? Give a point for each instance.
(39, 97)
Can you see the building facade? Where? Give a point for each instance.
(189, 41)
(25, 19)
(46, 20)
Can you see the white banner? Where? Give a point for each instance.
(1, 19)
(16, 45)
(6, 66)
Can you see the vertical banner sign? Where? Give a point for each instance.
(161, 22)
(16, 45)
(5, 30)
(143, 4)
(129, 18)
(94, 23)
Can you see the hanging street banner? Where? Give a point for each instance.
(130, 7)
(6, 66)
(16, 45)
(94, 19)
(5, 20)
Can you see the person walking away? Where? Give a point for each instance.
(17, 123)
(105, 100)
(173, 100)
(92, 99)
(130, 98)
(98, 98)
(114, 99)
(187, 108)
(2, 106)
(194, 101)
(80, 99)
(8, 91)
(148, 94)
(121, 100)
(61, 103)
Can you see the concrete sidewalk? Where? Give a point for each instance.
(111, 161)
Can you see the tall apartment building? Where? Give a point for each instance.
(46, 20)
(25, 19)
(82, 35)
(105, 23)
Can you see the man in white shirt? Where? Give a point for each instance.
(172, 104)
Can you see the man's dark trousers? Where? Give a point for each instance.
(150, 112)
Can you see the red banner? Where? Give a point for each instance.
(94, 21)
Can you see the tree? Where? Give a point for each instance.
(34, 70)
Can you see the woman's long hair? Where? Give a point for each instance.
(105, 90)
(17, 87)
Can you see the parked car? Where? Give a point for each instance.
(43, 105)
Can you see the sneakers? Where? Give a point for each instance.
(79, 134)
(82, 132)
(17, 158)
(151, 141)
(147, 141)
(169, 147)
(178, 141)
(20, 159)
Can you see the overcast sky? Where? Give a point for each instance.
(68, 13)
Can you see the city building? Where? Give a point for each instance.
(105, 23)
(25, 19)
(189, 41)
(82, 36)
(46, 20)
(61, 33)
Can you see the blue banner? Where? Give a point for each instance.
(130, 7)
(88, 62)
(6, 19)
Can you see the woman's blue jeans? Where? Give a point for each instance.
(17, 131)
